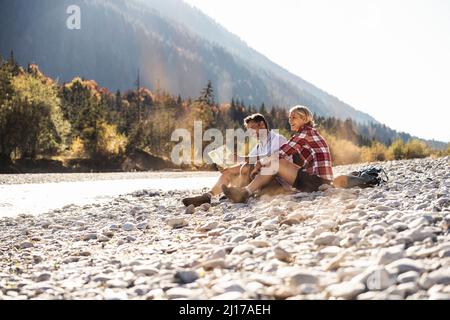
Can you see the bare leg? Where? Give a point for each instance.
(274, 188)
(287, 170)
(244, 175)
(224, 179)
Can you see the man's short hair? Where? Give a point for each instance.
(256, 117)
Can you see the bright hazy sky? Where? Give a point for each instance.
(389, 58)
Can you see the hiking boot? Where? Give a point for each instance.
(236, 195)
(197, 201)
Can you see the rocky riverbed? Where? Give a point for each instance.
(387, 242)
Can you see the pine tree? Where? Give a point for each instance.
(13, 64)
(263, 109)
(207, 94)
(138, 85)
(118, 101)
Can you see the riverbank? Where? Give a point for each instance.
(388, 242)
(40, 178)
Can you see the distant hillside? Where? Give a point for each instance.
(175, 47)
(207, 28)
(118, 37)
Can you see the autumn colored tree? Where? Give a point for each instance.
(33, 123)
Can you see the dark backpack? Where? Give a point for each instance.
(365, 178)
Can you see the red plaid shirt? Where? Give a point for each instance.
(313, 151)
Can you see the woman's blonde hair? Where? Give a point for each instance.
(306, 113)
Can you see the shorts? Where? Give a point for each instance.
(308, 183)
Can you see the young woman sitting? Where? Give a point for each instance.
(307, 145)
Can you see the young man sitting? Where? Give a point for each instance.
(269, 143)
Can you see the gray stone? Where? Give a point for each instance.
(336, 261)
(270, 225)
(349, 241)
(216, 232)
(408, 288)
(422, 253)
(208, 226)
(186, 277)
(379, 279)
(190, 209)
(383, 208)
(130, 239)
(327, 224)
(229, 217)
(85, 253)
(421, 206)
(290, 221)
(239, 238)
(101, 278)
(282, 254)
(443, 202)
(117, 283)
(346, 290)
(373, 295)
(177, 223)
(103, 239)
(400, 226)
(141, 290)
(89, 236)
(327, 239)
(128, 226)
(145, 270)
(349, 225)
(205, 207)
(302, 278)
(354, 230)
(379, 230)
(418, 223)
(243, 248)
(26, 245)
(213, 264)
(250, 219)
(228, 286)
(439, 296)
(71, 259)
(417, 234)
(410, 276)
(108, 233)
(266, 279)
(405, 265)
(330, 251)
(445, 253)
(179, 292)
(259, 243)
(389, 255)
(44, 224)
(142, 225)
(218, 254)
(37, 259)
(43, 277)
(441, 276)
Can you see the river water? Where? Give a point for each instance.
(40, 198)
